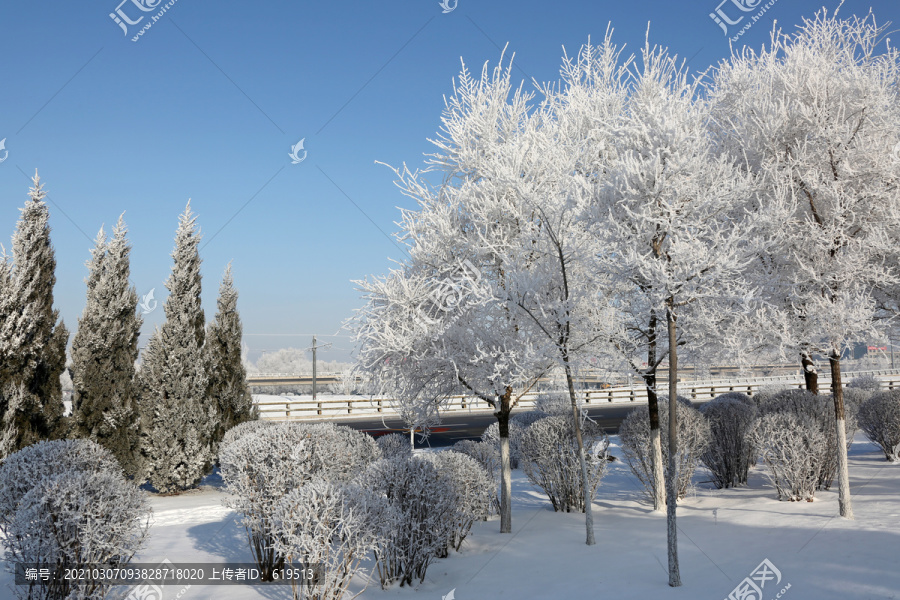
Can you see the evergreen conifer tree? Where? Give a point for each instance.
(104, 352)
(227, 376)
(177, 417)
(33, 343)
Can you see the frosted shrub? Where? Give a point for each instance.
(550, 460)
(868, 383)
(488, 456)
(35, 464)
(394, 445)
(333, 527)
(693, 439)
(820, 408)
(491, 436)
(525, 419)
(260, 468)
(792, 446)
(556, 404)
(879, 418)
(340, 452)
(81, 517)
(242, 429)
(425, 502)
(474, 490)
(730, 454)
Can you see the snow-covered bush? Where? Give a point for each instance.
(730, 454)
(488, 456)
(693, 439)
(491, 436)
(332, 527)
(474, 489)
(425, 502)
(79, 517)
(35, 464)
(242, 429)
(550, 460)
(879, 418)
(766, 392)
(792, 446)
(869, 383)
(260, 468)
(394, 445)
(525, 419)
(557, 404)
(820, 408)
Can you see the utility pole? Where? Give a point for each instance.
(314, 348)
(314, 368)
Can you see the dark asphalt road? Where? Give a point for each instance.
(470, 426)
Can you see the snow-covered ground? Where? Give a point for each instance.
(724, 535)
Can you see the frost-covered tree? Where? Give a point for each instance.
(668, 214)
(177, 416)
(104, 352)
(227, 386)
(447, 321)
(816, 114)
(32, 338)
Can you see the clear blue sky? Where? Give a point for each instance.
(208, 102)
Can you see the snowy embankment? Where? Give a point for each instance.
(724, 535)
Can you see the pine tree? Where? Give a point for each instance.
(176, 415)
(32, 344)
(104, 351)
(227, 376)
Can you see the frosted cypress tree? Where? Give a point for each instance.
(32, 344)
(227, 377)
(104, 351)
(176, 416)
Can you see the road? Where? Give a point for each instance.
(455, 427)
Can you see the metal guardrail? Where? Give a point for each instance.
(290, 409)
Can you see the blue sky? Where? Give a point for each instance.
(209, 101)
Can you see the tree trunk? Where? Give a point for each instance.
(837, 392)
(671, 492)
(505, 471)
(585, 481)
(810, 375)
(656, 457)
